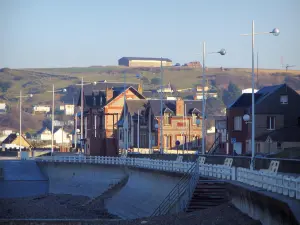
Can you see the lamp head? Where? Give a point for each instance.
(275, 32)
(31, 95)
(156, 126)
(64, 90)
(246, 117)
(95, 82)
(222, 51)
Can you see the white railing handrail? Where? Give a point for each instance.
(279, 183)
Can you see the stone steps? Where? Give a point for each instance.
(208, 194)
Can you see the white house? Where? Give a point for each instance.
(69, 110)
(41, 109)
(2, 107)
(44, 134)
(62, 137)
(248, 90)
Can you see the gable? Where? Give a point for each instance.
(24, 142)
(131, 93)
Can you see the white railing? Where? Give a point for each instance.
(270, 181)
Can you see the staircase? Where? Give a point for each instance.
(207, 194)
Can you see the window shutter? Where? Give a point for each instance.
(268, 118)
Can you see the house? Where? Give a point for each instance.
(68, 109)
(60, 136)
(102, 111)
(167, 89)
(194, 64)
(179, 124)
(44, 134)
(41, 109)
(3, 108)
(276, 107)
(13, 142)
(249, 90)
(144, 62)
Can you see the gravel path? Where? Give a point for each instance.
(71, 207)
(53, 206)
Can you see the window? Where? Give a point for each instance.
(167, 118)
(194, 118)
(238, 123)
(278, 145)
(284, 99)
(271, 122)
(168, 141)
(121, 134)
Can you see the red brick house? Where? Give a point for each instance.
(276, 107)
(103, 104)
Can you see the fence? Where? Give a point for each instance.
(280, 183)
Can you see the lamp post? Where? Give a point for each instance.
(221, 52)
(161, 107)
(198, 121)
(20, 134)
(275, 32)
(53, 109)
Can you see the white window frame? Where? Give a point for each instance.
(237, 123)
(284, 99)
(269, 120)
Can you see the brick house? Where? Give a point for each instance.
(179, 123)
(276, 107)
(103, 104)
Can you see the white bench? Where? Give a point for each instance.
(273, 167)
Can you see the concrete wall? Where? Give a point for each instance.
(142, 194)
(81, 179)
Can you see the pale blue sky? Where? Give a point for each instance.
(65, 33)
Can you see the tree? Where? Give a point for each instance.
(4, 86)
(230, 95)
(155, 81)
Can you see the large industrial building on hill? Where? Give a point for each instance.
(144, 62)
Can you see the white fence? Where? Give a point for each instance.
(273, 182)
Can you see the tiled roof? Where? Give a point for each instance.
(286, 134)
(133, 106)
(10, 138)
(245, 100)
(146, 58)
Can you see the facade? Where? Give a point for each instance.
(144, 62)
(195, 64)
(275, 109)
(41, 109)
(179, 124)
(44, 134)
(249, 90)
(3, 108)
(103, 106)
(62, 137)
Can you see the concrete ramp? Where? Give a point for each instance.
(142, 194)
(22, 178)
(81, 179)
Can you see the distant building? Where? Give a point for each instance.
(41, 109)
(62, 137)
(248, 90)
(144, 62)
(13, 142)
(68, 109)
(44, 134)
(2, 108)
(195, 64)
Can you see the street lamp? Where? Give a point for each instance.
(161, 107)
(221, 52)
(198, 122)
(20, 132)
(53, 109)
(275, 32)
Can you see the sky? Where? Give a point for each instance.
(79, 33)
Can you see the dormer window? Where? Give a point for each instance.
(284, 99)
(167, 118)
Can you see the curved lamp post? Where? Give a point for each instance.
(221, 52)
(275, 32)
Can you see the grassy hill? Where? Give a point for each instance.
(39, 81)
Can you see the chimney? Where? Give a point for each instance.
(109, 94)
(179, 107)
